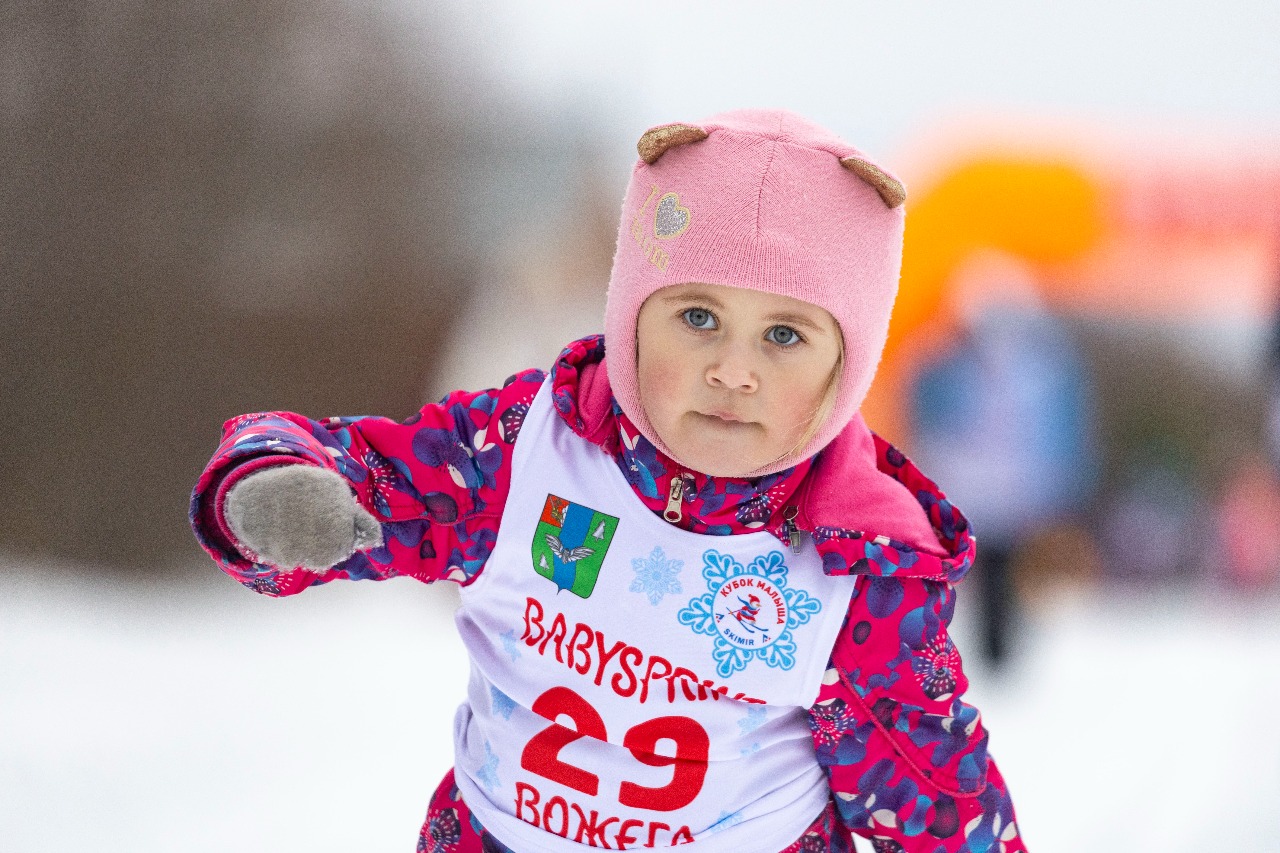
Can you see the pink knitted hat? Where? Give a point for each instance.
(767, 200)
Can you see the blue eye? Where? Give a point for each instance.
(784, 336)
(699, 318)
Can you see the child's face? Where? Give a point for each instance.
(730, 378)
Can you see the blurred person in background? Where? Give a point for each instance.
(1248, 513)
(1004, 415)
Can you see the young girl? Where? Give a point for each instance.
(704, 604)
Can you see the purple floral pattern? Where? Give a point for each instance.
(442, 832)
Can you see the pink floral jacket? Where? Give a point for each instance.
(906, 758)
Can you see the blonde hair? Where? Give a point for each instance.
(819, 415)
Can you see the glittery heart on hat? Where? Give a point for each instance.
(670, 219)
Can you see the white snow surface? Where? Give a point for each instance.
(194, 715)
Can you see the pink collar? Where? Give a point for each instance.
(845, 488)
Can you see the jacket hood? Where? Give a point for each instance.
(867, 507)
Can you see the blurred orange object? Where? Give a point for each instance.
(1137, 224)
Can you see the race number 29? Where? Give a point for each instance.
(541, 754)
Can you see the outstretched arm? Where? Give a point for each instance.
(436, 483)
(906, 758)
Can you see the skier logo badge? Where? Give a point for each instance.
(570, 544)
(751, 611)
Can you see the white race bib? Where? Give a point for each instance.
(634, 684)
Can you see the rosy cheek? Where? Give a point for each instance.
(798, 404)
(666, 376)
(659, 379)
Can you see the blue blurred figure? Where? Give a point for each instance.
(1005, 419)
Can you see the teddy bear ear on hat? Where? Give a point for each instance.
(657, 140)
(890, 188)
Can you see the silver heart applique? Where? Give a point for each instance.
(670, 219)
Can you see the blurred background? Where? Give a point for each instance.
(340, 207)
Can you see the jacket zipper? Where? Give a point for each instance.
(789, 527)
(674, 512)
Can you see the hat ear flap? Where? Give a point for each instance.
(890, 188)
(657, 140)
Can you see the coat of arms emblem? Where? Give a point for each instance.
(570, 544)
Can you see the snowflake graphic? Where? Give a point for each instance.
(509, 644)
(488, 775)
(718, 569)
(726, 820)
(755, 718)
(656, 575)
(503, 704)
(749, 750)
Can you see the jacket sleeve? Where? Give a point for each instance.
(905, 757)
(437, 482)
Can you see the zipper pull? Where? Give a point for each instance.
(673, 512)
(789, 527)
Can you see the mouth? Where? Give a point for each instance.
(723, 416)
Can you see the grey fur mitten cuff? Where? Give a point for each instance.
(299, 516)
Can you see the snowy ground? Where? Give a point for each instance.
(196, 716)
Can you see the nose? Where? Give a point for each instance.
(732, 368)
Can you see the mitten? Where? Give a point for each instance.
(299, 516)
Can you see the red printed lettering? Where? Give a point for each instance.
(521, 790)
(692, 748)
(628, 668)
(590, 830)
(693, 745)
(588, 638)
(531, 621)
(624, 836)
(655, 663)
(687, 680)
(628, 652)
(605, 657)
(557, 632)
(541, 753)
(563, 831)
(565, 817)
